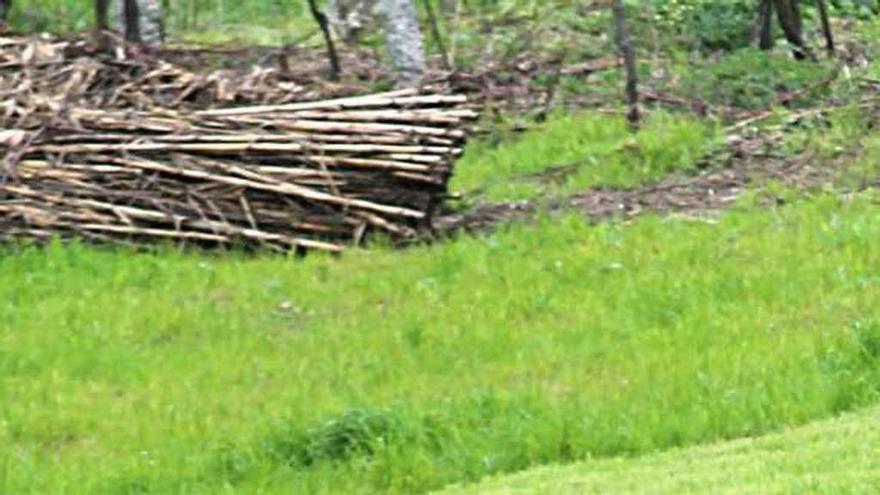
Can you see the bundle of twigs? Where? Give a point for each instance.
(301, 175)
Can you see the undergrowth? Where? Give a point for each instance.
(573, 152)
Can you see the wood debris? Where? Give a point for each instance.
(111, 151)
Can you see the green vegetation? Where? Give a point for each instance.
(586, 150)
(831, 457)
(275, 22)
(390, 372)
(752, 79)
(405, 371)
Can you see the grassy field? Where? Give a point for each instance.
(831, 457)
(401, 372)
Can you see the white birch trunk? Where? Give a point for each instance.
(152, 29)
(149, 21)
(403, 39)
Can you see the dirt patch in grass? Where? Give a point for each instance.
(744, 163)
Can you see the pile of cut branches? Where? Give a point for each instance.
(314, 174)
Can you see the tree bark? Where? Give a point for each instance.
(765, 25)
(321, 19)
(102, 24)
(403, 40)
(141, 21)
(131, 21)
(152, 27)
(624, 45)
(101, 19)
(789, 14)
(5, 7)
(826, 27)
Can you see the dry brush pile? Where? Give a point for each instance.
(111, 149)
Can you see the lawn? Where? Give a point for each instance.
(403, 372)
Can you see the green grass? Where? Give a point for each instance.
(832, 457)
(401, 372)
(593, 149)
(404, 372)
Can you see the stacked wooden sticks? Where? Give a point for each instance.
(300, 175)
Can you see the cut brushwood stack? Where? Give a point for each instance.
(318, 174)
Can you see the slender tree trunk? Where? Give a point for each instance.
(624, 45)
(765, 25)
(826, 27)
(131, 21)
(5, 7)
(403, 40)
(438, 37)
(101, 18)
(789, 14)
(321, 19)
(141, 21)
(102, 24)
(151, 22)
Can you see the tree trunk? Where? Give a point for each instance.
(826, 27)
(624, 45)
(102, 24)
(5, 7)
(321, 19)
(403, 40)
(141, 21)
(789, 14)
(101, 19)
(765, 25)
(130, 16)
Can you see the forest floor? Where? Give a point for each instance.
(748, 157)
(744, 165)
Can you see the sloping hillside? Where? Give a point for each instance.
(831, 457)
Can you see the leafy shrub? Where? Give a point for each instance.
(356, 432)
(714, 25)
(858, 8)
(751, 79)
